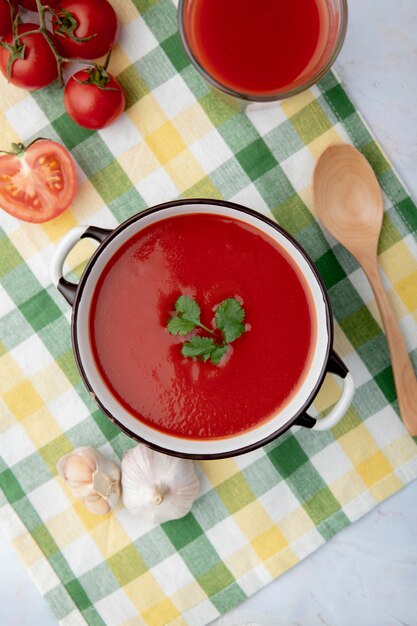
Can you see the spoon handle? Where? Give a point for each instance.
(404, 376)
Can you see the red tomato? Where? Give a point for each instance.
(90, 105)
(38, 183)
(5, 17)
(85, 18)
(31, 4)
(38, 68)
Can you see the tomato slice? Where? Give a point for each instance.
(37, 183)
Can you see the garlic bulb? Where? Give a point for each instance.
(157, 487)
(92, 478)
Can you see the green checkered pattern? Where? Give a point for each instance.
(259, 514)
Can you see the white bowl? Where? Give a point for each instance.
(323, 359)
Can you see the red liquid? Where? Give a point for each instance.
(209, 258)
(257, 47)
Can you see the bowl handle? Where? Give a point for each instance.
(335, 366)
(65, 287)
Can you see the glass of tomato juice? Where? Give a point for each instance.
(262, 51)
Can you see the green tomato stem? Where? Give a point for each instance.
(18, 149)
(42, 9)
(42, 29)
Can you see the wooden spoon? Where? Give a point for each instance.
(348, 201)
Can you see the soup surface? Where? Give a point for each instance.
(257, 48)
(208, 258)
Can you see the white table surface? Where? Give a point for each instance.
(367, 574)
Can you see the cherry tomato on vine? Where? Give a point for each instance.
(37, 183)
(93, 98)
(84, 29)
(31, 4)
(6, 17)
(35, 65)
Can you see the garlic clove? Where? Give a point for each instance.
(80, 490)
(85, 457)
(91, 477)
(157, 487)
(98, 505)
(78, 469)
(112, 474)
(92, 497)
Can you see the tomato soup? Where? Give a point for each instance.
(209, 258)
(257, 48)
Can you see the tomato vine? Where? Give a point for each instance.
(17, 48)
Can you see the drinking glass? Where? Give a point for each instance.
(336, 23)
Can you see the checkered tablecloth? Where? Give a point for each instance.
(259, 514)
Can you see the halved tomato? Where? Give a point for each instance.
(37, 183)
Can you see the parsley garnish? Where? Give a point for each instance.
(188, 317)
(199, 346)
(228, 319)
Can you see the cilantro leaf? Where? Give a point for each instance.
(229, 317)
(187, 318)
(201, 347)
(188, 309)
(217, 354)
(179, 326)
